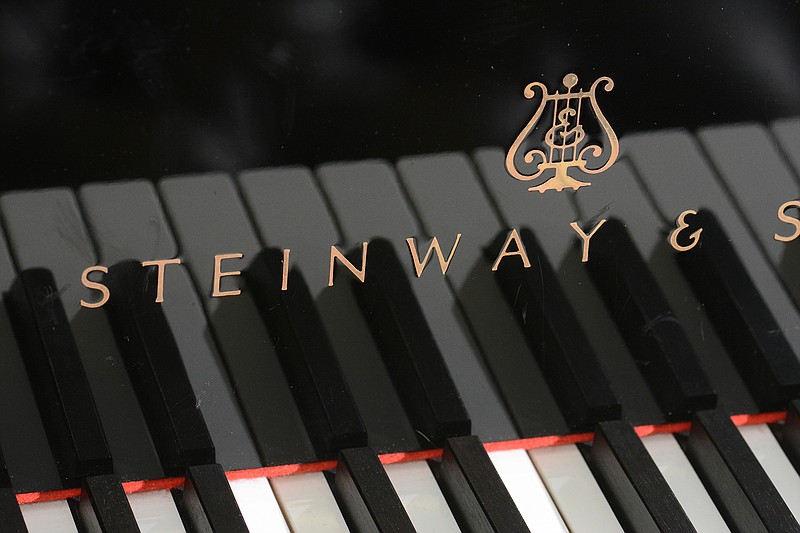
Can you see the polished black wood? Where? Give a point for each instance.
(366, 496)
(10, 514)
(57, 375)
(208, 503)
(477, 496)
(651, 330)
(747, 328)
(326, 405)
(156, 368)
(555, 335)
(409, 350)
(742, 491)
(635, 488)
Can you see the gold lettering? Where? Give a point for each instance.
(161, 267)
(585, 238)
(783, 217)
(359, 273)
(694, 238)
(89, 284)
(513, 235)
(219, 274)
(285, 272)
(434, 246)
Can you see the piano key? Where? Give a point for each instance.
(155, 366)
(288, 211)
(411, 354)
(56, 372)
(555, 335)
(741, 316)
(44, 229)
(48, 517)
(421, 497)
(26, 450)
(759, 180)
(258, 505)
(622, 196)
(308, 504)
(127, 222)
(648, 324)
(639, 494)
(208, 501)
(103, 506)
(678, 177)
(682, 479)
(328, 410)
(733, 476)
(775, 463)
(428, 179)
(277, 198)
(155, 512)
(527, 490)
(10, 514)
(366, 496)
(786, 133)
(209, 219)
(790, 436)
(387, 215)
(581, 503)
(550, 216)
(477, 495)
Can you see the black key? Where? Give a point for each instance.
(636, 490)
(58, 378)
(739, 314)
(409, 350)
(650, 329)
(208, 503)
(476, 494)
(104, 508)
(307, 358)
(10, 514)
(156, 368)
(365, 494)
(790, 436)
(555, 336)
(742, 491)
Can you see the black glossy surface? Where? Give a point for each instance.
(59, 382)
(307, 357)
(411, 354)
(156, 369)
(647, 323)
(751, 336)
(555, 336)
(146, 89)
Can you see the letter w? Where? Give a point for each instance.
(419, 266)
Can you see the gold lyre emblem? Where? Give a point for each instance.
(565, 137)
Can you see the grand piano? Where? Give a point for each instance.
(266, 267)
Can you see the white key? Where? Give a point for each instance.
(308, 504)
(582, 504)
(421, 496)
(527, 490)
(258, 505)
(775, 463)
(48, 517)
(155, 512)
(683, 480)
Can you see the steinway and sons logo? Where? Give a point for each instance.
(564, 148)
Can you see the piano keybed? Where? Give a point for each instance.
(712, 478)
